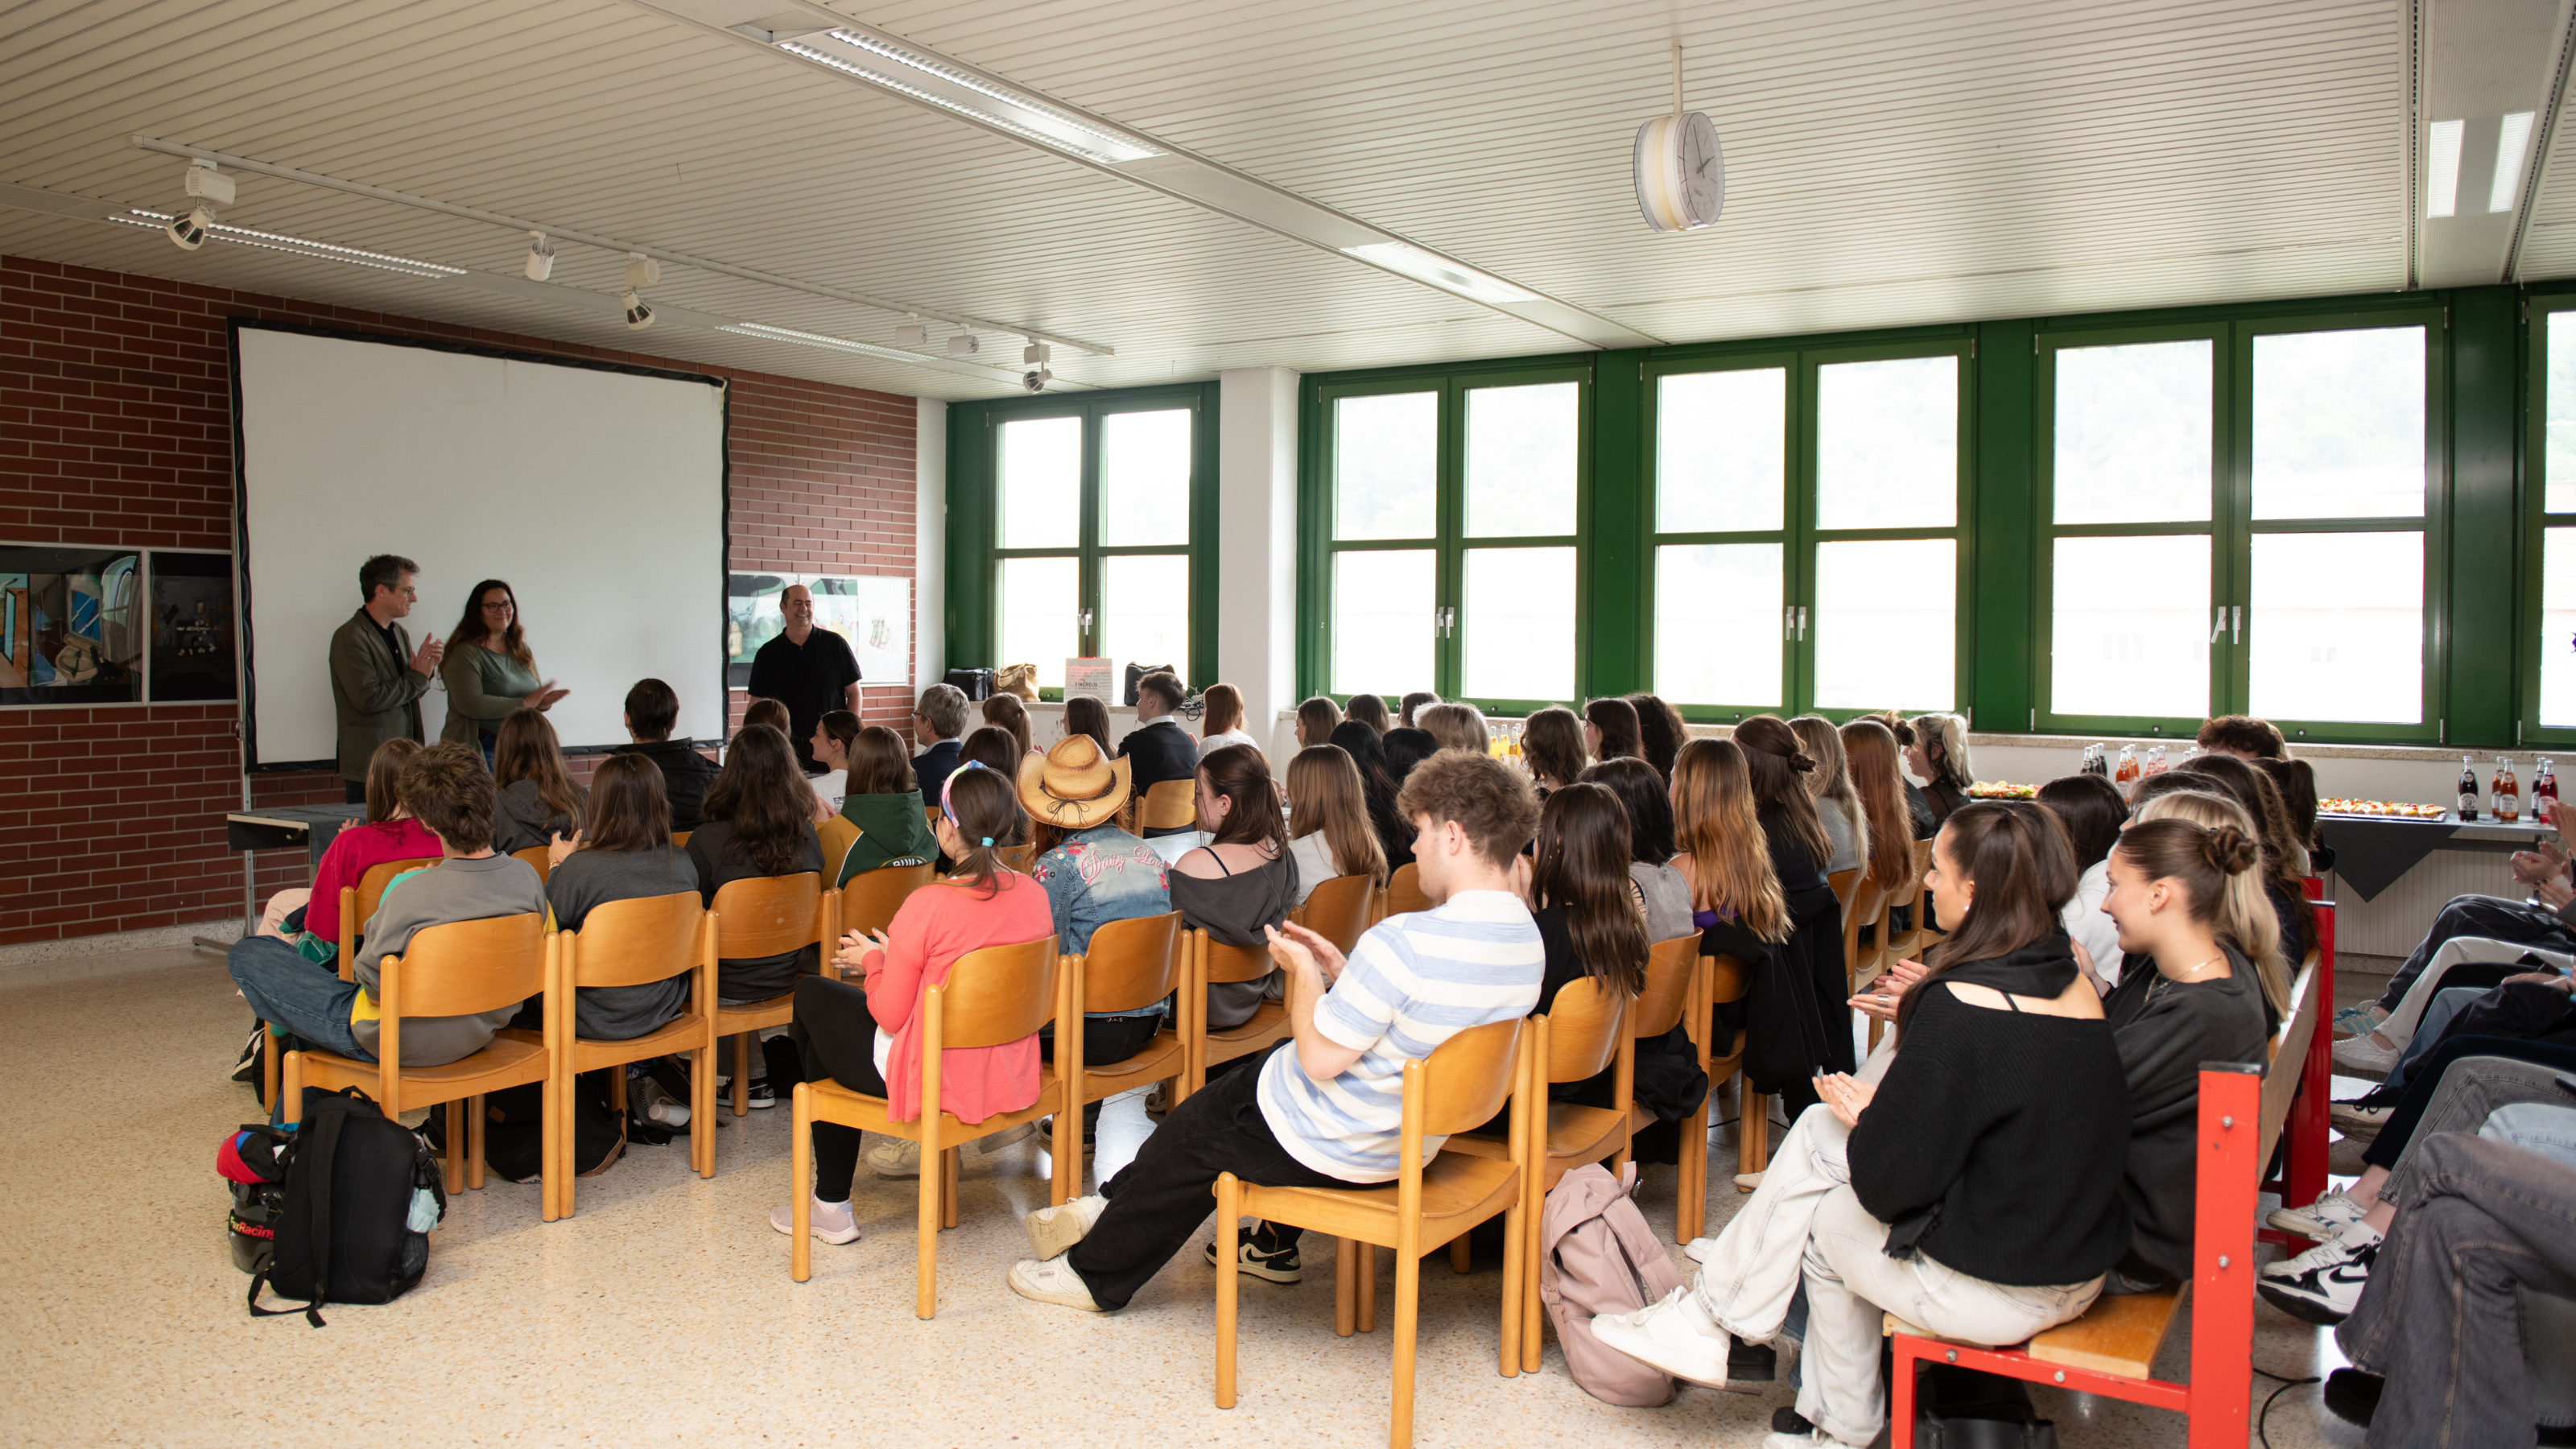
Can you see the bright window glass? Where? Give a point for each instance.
(1886, 624)
(1718, 627)
(1041, 483)
(2558, 626)
(1721, 449)
(1382, 631)
(1887, 443)
(2132, 433)
(1520, 460)
(2560, 457)
(2339, 426)
(1145, 478)
(1386, 465)
(1516, 624)
(1145, 609)
(2129, 627)
(2337, 627)
(1036, 604)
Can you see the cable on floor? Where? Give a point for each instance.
(2286, 1384)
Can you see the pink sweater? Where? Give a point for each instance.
(937, 925)
(353, 852)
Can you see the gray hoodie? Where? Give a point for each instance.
(452, 890)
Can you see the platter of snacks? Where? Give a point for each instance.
(2002, 790)
(2382, 808)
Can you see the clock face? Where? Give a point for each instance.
(1702, 168)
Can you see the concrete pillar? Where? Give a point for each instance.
(1257, 544)
(929, 542)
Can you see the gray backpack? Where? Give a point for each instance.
(1595, 1256)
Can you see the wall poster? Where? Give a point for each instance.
(70, 625)
(192, 628)
(872, 611)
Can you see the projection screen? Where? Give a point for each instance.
(597, 492)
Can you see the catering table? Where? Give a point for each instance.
(2372, 851)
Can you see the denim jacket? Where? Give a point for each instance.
(1097, 876)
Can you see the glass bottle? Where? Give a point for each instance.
(2505, 794)
(2126, 777)
(2544, 796)
(2468, 788)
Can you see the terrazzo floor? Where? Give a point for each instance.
(663, 1313)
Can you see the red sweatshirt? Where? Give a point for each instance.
(353, 852)
(937, 925)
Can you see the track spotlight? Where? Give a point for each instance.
(1035, 354)
(209, 188)
(541, 257)
(1037, 381)
(638, 316)
(912, 334)
(962, 345)
(188, 233)
(641, 271)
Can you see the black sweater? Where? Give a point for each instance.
(2009, 1129)
(2165, 1030)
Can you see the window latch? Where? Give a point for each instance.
(2220, 627)
(1085, 616)
(1789, 622)
(1802, 622)
(2236, 630)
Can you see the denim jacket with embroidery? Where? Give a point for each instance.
(1097, 876)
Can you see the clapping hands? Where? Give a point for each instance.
(1296, 946)
(1881, 1000)
(1847, 1096)
(561, 849)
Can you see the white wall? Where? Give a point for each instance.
(929, 542)
(1256, 640)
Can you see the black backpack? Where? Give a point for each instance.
(362, 1192)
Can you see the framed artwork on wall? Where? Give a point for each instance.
(872, 611)
(192, 628)
(71, 625)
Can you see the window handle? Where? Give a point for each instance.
(1802, 621)
(1085, 616)
(2236, 634)
(2220, 627)
(1789, 622)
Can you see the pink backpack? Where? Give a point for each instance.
(1595, 1256)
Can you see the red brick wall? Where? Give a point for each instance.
(115, 428)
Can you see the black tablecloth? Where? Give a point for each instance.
(2371, 852)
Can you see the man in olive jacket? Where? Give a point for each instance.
(377, 678)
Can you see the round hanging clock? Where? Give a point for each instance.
(1681, 172)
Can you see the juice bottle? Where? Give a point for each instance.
(2544, 796)
(2126, 777)
(2506, 793)
(2468, 806)
(2155, 762)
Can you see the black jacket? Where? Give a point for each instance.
(1157, 752)
(686, 774)
(932, 767)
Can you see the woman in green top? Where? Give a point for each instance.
(489, 671)
(881, 800)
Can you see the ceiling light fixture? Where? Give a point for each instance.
(962, 345)
(912, 334)
(2442, 169)
(641, 271)
(816, 339)
(951, 88)
(541, 257)
(296, 245)
(1405, 259)
(2512, 140)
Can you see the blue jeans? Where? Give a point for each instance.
(294, 996)
(2536, 1127)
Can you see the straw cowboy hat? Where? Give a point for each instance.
(1073, 785)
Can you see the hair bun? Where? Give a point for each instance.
(1801, 761)
(2228, 850)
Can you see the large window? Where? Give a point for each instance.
(2549, 618)
(1805, 530)
(1451, 536)
(2235, 519)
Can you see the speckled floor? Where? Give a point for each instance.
(663, 1313)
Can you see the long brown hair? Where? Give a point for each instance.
(1714, 823)
(1779, 765)
(1238, 774)
(630, 808)
(1222, 710)
(2281, 844)
(1086, 715)
(1832, 778)
(1660, 731)
(2023, 869)
(1649, 803)
(525, 749)
(384, 778)
(1316, 717)
(1006, 711)
(878, 763)
(1552, 744)
(1325, 794)
(996, 748)
(1582, 870)
(1617, 721)
(1457, 725)
(1370, 710)
(983, 804)
(1869, 752)
(762, 794)
(2217, 868)
(472, 630)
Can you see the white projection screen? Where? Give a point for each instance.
(596, 492)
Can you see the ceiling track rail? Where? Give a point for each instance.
(2538, 161)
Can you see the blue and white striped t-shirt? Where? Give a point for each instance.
(1415, 981)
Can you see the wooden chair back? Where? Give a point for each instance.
(1843, 881)
(633, 942)
(2289, 1049)
(466, 968)
(837, 835)
(997, 995)
(1338, 910)
(1728, 979)
(1132, 963)
(1404, 891)
(1585, 1025)
(1018, 857)
(539, 859)
(930, 814)
(869, 901)
(371, 888)
(1234, 963)
(1466, 1079)
(768, 915)
(1858, 911)
(1670, 969)
(1169, 805)
(680, 839)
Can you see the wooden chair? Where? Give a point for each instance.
(992, 997)
(1673, 996)
(2245, 1108)
(1018, 857)
(1843, 882)
(357, 906)
(1861, 964)
(930, 815)
(1919, 939)
(1169, 805)
(538, 858)
(1724, 979)
(869, 901)
(1403, 893)
(837, 835)
(1213, 962)
(632, 943)
(463, 968)
(1459, 1087)
(1131, 965)
(766, 916)
(1584, 1031)
(1339, 910)
(680, 839)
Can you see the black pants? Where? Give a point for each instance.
(1106, 1040)
(2425, 1079)
(836, 1038)
(2492, 917)
(1163, 1196)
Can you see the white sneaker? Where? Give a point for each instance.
(1700, 1250)
(2363, 1056)
(1674, 1334)
(2334, 1252)
(894, 1157)
(1054, 1230)
(2320, 1220)
(2356, 1120)
(829, 1221)
(1052, 1281)
(668, 1114)
(1747, 1181)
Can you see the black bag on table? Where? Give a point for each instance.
(1136, 676)
(361, 1194)
(976, 683)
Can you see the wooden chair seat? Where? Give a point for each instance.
(1586, 1134)
(1268, 1024)
(1210, 962)
(1459, 1190)
(2120, 1334)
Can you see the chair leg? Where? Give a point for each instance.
(1459, 1259)
(1517, 1303)
(742, 1074)
(1228, 1193)
(455, 1147)
(268, 1066)
(925, 1231)
(1345, 1287)
(291, 1103)
(1524, 1238)
(948, 1160)
(552, 1180)
(617, 1089)
(800, 1185)
(1367, 1270)
(1753, 1133)
(702, 1111)
(474, 1143)
(1408, 1303)
(1690, 1195)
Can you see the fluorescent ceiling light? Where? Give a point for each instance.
(2442, 169)
(298, 246)
(950, 88)
(817, 339)
(2511, 142)
(1440, 272)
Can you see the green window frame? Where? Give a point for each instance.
(2545, 517)
(1453, 551)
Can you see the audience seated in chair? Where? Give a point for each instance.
(538, 802)
(1875, 759)
(880, 799)
(938, 727)
(1317, 716)
(1647, 802)
(1329, 830)
(1553, 749)
(626, 854)
(1368, 751)
(1324, 1107)
(759, 822)
(1158, 749)
(309, 920)
(652, 710)
(1243, 882)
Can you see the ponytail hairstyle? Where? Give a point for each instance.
(1715, 824)
(1006, 711)
(1581, 869)
(384, 778)
(2245, 916)
(2296, 779)
(525, 749)
(2023, 869)
(841, 727)
(1616, 718)
(1370, 710)
(1238, 775)
(1325, 792)
(982, 804)
(1779, 766)
(2284, 852)
(1871, 755)
(2216, 866)
(1552, 745)
(1945, 744)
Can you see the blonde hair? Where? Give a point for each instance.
(1832, 779)
(1715, 825)
(2243, 913)
(1455, 726)
(1946, 735)
(1325, 794)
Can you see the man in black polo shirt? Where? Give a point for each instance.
(809, 670)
